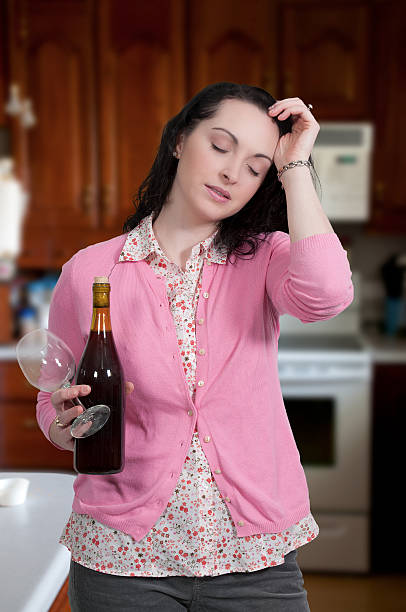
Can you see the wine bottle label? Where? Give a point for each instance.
(101, 293)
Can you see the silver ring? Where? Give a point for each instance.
(58, 422)
(310, 106)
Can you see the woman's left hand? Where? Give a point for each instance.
(297, 144)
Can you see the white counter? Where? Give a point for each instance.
(8, 352)
(33, 565)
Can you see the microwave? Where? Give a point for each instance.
(342, 157)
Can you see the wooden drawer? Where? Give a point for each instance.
(22, 443)
(14, 385)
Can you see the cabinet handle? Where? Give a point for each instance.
(30, 424)
(288, 83)
(270, 82)
(379, 191)
(87, 199)
(107, 200)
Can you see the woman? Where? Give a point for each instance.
(229, 234)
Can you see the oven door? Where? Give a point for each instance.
(328, 406)
(330, 420)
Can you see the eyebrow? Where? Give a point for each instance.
(235, 139)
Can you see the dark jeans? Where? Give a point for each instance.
(277, 589)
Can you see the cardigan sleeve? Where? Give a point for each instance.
(309, 279)
(64, 323)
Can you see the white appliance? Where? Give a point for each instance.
(325, 373)
(342, 158)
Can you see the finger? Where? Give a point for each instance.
(64, 395)
(129, 387)
(291, 109)
(65, 417)
(61, 436)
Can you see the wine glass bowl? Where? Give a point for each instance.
(48, 364)
(45, 360)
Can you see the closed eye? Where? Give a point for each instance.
(213, 146)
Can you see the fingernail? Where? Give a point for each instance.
(86, 388)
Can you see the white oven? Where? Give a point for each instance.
(327, 398)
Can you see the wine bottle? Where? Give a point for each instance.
(102, 452)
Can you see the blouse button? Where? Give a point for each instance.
(202, 352)
(207, 438)
(200, 383)
(241, 523)
(205, 294)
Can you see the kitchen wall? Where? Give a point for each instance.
(367, 253)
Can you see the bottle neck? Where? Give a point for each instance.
(101, 320)
(101, 309)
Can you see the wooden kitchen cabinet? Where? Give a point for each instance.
(232, 40)
(3, 66)
(61, 602)
(324, 56)
(388, 460)
(141, 84)
(104, 78)
(389, 103)
(51, 58)
(22, 443)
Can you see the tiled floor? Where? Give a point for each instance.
(343, 593)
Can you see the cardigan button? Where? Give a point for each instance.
(205, 294)
(240, 523)
(200, 321)
(217, 471)
(206, 438)
(200, 383)
(190, 412)
(202, 352)
(227, 499)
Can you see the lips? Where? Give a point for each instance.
(221, 191)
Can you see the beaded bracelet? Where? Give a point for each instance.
(292, 165)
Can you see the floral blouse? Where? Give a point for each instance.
(195, 535)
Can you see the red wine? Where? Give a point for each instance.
(102, 452)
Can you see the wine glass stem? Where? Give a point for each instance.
(75, 400)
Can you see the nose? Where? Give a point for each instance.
(230, 176)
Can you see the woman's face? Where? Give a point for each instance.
(232, 151)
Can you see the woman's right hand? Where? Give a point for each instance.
(61, 401)
(67, 413)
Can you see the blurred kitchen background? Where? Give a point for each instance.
(85, 89)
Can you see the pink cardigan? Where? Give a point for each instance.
(238, 409)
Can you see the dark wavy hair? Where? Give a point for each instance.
(265, 212)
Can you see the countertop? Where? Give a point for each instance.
(34, 565)
(383, 349)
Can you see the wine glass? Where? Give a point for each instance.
(48, 364)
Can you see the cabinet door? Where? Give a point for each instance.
(232, 40)
(324, 56)
(389, 103)
(51, 57)
(141, 85)
(22, 443)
